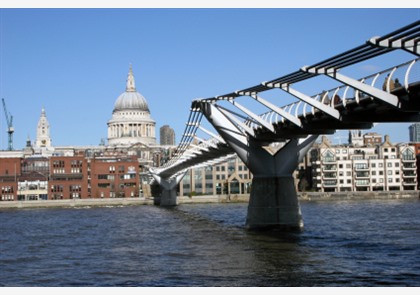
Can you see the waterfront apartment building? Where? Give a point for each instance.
(384, 167)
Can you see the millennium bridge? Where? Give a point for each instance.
(273, 142)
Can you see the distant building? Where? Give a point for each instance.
(355, 138)
(414, 132)
(372, 139)
(167, 135)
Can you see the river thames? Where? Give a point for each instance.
(370, 243)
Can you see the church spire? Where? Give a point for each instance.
(131, 85)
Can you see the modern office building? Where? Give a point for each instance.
(231, 177)
(414, 132)
(167, 135)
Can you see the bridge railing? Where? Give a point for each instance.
(400, 76)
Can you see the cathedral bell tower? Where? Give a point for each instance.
(43, 131)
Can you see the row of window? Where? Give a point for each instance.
(63, 171)
(222, 176)
(112, 177)
(231, 168)
(361, 181)
(7, 189)
(362, 165)
(7, 197)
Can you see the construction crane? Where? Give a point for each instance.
(10, 129)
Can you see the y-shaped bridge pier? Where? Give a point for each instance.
(272, 144)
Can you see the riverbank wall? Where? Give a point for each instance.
(336, 196)
(303, 197)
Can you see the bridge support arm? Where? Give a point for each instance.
(168, 186)
(309, 100)
(369, 90)
(273, 200)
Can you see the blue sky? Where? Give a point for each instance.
(74, 62)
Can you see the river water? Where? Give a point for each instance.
(345, 243)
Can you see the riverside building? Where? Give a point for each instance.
(383, 167)
(117, 169)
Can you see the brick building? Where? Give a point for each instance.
(10, 169)
(69, 177)
(110, 177)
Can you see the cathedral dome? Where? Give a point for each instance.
(131, 99)
(131, 122)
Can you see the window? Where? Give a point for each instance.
(361, 166)
(328, 157)
(408, 154)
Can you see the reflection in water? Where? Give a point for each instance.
(343, 244)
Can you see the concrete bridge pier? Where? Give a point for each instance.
(167, 197)
(273, 200)
(273, 204)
